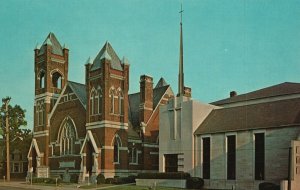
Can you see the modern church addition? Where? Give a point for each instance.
(238, 142)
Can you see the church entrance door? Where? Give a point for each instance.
(89, 158)
(171, 162)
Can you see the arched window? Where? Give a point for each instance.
(99, 100)
(57, 80)
(117, 145)
(112, 100)
(42, 79)
(40, 113)
(67, 139)
(133, 156)
(121, 102)
(96, 101)
(92, 101)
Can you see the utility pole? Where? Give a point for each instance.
(6, 102)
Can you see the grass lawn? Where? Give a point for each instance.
(94, 186)
(134, 187)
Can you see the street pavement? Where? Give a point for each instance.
(13, 188)
(22, 185)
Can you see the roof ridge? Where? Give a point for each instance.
(75, 82)
(283, 88)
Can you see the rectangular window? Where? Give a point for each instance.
(133, 156)
(16, 168)
(259, 156)
(171, 162)
(206, 158)
(231, 157)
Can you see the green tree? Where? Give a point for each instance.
(17, 122)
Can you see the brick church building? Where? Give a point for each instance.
(96, 127)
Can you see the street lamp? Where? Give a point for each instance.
(5, 103)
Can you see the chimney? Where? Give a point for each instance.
(233, 94)
(187, 92)
(146, 98)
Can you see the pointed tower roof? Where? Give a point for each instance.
(105, 55)
(161, 83)
(51, 40)
(108, 53)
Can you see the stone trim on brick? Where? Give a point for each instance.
(107, 124)
(89, 136)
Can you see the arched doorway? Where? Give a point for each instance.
(89, 158)
(34, 160)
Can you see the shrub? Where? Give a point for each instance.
(120, 180)
(46, 180)
(173, 175)
(109, 180)
(194, 183)
(268, 186)
(131, 179)
(100, 179)
(74, 178)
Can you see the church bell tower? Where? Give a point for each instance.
(51, 74)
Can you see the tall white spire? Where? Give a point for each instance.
(181, 74)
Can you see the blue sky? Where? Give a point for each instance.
(228, 45)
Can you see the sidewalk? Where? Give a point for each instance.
(23, 184)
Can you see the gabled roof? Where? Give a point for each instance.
(132, 134)
(161, 83)
(109, 53)
(256, 116)
(133, 108)
(276, 90)
(52, 41)
(79, 90)
(134, 102)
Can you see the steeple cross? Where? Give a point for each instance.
(181, 11)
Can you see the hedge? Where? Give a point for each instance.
(120, 180)
(100, 179)
(268, 186)
(74, 178)
(173, 175)
(194, 183)
(46, 180)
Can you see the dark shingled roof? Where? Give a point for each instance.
(133, 108)
(256, 116)
(134, 102)
(276, 90)
(79, 90)
(115, 61)
(51, 40)
(161, 83)
(132, 134)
